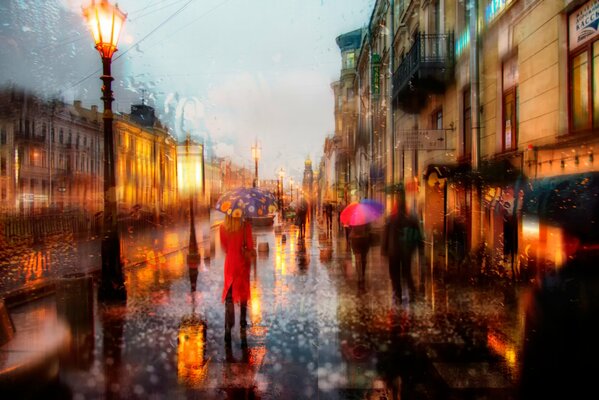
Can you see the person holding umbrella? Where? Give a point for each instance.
(358, 216)
(238, 245)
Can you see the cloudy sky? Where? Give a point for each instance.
(228, 71)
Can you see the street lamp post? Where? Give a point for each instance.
(291, 186)
(105, 22)
(256, 157)
(190, 175)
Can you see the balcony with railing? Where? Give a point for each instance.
(427, 69)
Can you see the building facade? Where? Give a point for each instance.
(467, 104)
(51, 157)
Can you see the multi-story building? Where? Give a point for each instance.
(539, 119)
(49, 154)
(463, 101)
(146, 157)
(343, 148)
(51, 157)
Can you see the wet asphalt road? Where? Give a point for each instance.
(314, 332)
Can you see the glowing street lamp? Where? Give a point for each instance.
(256, 156)
(105, 22)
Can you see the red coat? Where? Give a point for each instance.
(237, 269)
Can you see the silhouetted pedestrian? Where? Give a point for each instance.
(401, 237)
(359, 238)
(302, 211)
(328, 215)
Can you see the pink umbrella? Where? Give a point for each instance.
(361, 213)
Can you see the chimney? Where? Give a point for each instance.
(77, 103)
(94, 108)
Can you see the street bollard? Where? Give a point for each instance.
(7, 328)
(75, 304)
(263, 247)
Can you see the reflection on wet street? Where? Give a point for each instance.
(314, 331)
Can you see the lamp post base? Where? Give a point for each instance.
(193, 259)
(112, 293)
(193, 277)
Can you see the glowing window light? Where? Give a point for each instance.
(462, 43)
(494, 8)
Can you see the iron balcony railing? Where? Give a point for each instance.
(429, 63)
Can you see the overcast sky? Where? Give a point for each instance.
(229, 71)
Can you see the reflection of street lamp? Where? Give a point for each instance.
(192, 363)
(281, 198)
(256, 157)
(190, 175)
(105, 22)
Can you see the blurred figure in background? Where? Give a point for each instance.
(360, 241)
(401, 237)
(328, 215)
(302, 211)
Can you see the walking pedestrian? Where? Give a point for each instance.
(237, 242)
(359, 237)
(302, 210)
(328, 215)
(401, 237)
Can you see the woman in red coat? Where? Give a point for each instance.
(233, 232)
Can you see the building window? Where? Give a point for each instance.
(510, 104)
(437, 119)
(2, 136)
(583, 69)
(61, 137)
(467, 132)
(3, 168)
(350, 60)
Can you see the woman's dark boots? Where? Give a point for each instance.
(243, 323)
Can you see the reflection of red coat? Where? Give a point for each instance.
(237, 270)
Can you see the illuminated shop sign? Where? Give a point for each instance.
(583, 23)
(376, 74)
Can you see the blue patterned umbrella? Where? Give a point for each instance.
(247, 202)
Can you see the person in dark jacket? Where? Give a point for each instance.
(302, 212)
(359, 239)
(401, 237)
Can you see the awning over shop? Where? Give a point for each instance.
(568, 201)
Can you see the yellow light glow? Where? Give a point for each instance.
(192, 365)
(530, 228)
(256, 304)
(105, 22)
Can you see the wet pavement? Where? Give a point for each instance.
(314, 332)
(24, 264)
